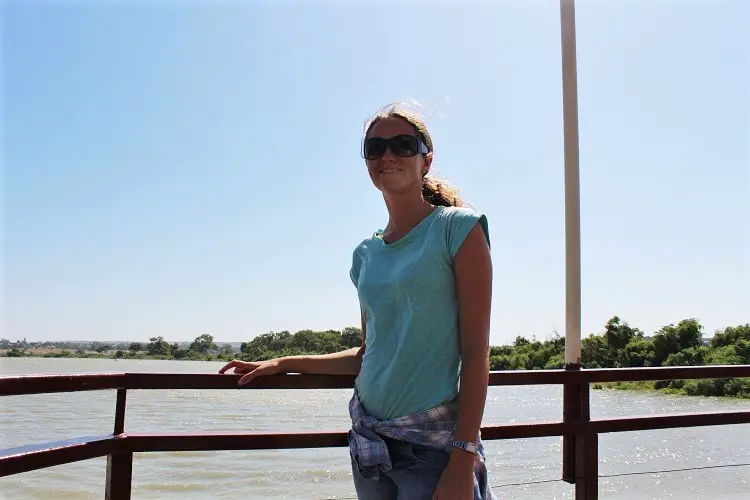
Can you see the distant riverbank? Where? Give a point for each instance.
(729, 387)
(618, 346)
(119, 354)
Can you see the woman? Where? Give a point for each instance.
(424, 285)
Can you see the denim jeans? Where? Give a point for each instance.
(414, 476)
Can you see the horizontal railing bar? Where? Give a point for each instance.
(554, 377)
(217, 381)
(46, 384)
(659, 373)
(654, 422)
(41, 456)
(521, 431)
(52, 445)
(262, 441)
(139, 442)
(256, 441)
(39, 384)
(234, 441)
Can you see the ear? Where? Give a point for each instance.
(427, 164)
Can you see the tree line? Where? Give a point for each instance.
(622, 346)
(202, 348)
(619, 345)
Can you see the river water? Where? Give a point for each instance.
(325, 473)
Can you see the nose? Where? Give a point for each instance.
(388, 156)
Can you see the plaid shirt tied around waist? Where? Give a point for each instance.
(432, 428)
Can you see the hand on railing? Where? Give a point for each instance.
(252, 369)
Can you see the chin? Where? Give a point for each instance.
(390, 188)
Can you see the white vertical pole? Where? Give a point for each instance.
(572, 187)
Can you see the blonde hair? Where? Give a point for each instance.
(434, 190)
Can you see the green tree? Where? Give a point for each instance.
(555, 362)
(100, 348)
(503, 350)
(265, 346)
(638, 352)
(520, 341)
(317, 342)
(157, 346)
(226, 350)
(725, 355)
(351, 337)
(595, 352)
(306, 341)
(742, 348)
(500, 362)
(673, 339)
(731, 335)
(203, 344)
(693, 356)
(619, 334)
(178, 352)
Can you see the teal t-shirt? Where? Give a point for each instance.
(408, 295)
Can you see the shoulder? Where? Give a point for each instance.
(361, 248)
(357, 256)
(459, 221)
(459, 214)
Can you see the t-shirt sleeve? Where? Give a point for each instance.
(354, 270)
(460, 224)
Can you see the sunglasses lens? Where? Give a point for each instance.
(374, 148)
(405, 145)
(401, 145)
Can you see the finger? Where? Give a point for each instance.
(246, 379)
(250, 376)
(229, 365)
(245, 367)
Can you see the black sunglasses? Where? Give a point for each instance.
(400, 145)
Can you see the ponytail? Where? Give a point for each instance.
(440, 193)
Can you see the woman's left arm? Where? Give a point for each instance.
(473, 271)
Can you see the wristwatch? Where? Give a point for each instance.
(465, 445)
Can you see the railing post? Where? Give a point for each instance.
(586, 450)
(119, 464)
(571, 413)
(580, 450)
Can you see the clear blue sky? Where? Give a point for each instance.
(183, 169)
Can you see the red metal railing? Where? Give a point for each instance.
(580, 433)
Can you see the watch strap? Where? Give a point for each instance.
(465, 445)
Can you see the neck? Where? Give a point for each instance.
(405, 212)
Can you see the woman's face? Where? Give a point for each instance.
(391, 173)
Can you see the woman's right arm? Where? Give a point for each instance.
(337, 363)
